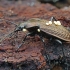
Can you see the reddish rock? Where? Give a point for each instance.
(33, 49)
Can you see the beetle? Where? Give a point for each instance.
(50, 29)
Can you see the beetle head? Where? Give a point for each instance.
(20, 28)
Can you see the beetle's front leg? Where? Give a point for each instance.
(28, 34)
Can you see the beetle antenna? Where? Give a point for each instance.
(9, 21)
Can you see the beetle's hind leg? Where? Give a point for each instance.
(57, 43)
(42, 40)
(47, 55)
(63, 58)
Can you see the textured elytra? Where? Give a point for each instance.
(58, 31)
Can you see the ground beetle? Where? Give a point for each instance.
(50, 29)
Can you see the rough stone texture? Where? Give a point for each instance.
(31, 54)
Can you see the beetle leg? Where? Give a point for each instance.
(65, 59)
(11, 34)
(15, 34)
(62, 50)
(15, 31)
(49, 61)
(66, 62)
(52, 19)
(61, 46)
(59, 43)
(42, 40)
(47, 55)
(24, 39)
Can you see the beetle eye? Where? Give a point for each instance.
(38, 30)
(24, 29)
